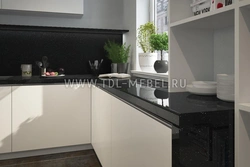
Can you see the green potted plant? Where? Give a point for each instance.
(159, 42)
(119, 55)
(148, 57)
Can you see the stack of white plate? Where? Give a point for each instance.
(202, 88)
(225, 87)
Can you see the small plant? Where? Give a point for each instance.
(145, 31)
(117, 53)
(159, 42)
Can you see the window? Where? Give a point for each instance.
(160, 15)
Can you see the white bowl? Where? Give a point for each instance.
(204, 84)
(226, 97)
(201, 91)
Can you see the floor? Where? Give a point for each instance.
(85, 158)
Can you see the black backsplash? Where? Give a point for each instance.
(68, 48)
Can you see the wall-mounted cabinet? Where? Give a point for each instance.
(48, 6)
(5, 119)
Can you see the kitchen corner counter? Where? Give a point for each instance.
(202, 126)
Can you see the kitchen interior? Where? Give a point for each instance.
(124, 83)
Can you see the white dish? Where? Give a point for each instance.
(225, 77)
(45, 76)
(226, 97)
(201, 91)
(204, 84)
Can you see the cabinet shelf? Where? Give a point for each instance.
(244, 107)
(210, 20)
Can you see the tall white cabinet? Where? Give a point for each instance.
(124, 136)
(49, 116)
(5, 119)
(51, 6)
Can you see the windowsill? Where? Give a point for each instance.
(151, 75)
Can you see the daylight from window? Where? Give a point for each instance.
(161, 16)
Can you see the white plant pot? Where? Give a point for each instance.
(146, 61)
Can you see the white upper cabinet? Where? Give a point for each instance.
(5, 119)
(50, 116)
(0, 4)
(50, 6)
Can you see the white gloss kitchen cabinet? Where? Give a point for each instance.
(135, 138)
(101, 125)
(49, 6)
(50, 116)
(5, 119)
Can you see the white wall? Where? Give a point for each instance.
(136, 13)
(224, 51)
(129, 21)
(97, 14)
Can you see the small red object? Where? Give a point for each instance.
(219, 5)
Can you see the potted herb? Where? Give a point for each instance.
(119, 55)
(148, 57)
(159, 42)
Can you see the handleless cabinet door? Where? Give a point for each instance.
(54, 6)
(137, 139)
(50, 116)
(101, 125)
(5, 119)
(0, 4)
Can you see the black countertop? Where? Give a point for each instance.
(153, 98)
(180, 109)
(38, 80)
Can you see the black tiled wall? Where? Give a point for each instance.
(68, 48)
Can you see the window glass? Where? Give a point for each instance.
(161, 15)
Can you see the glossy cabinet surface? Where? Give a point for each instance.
(5, 119)
(53, 6)
(101, 125)
(141, 139)
(124, 136)
(49, 117)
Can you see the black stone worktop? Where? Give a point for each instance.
(171, 107)
(38, 80)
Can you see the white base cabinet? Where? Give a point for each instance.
(49, 116)
(101, 125)
(5, 119)
(51, 6)
(128, 138)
